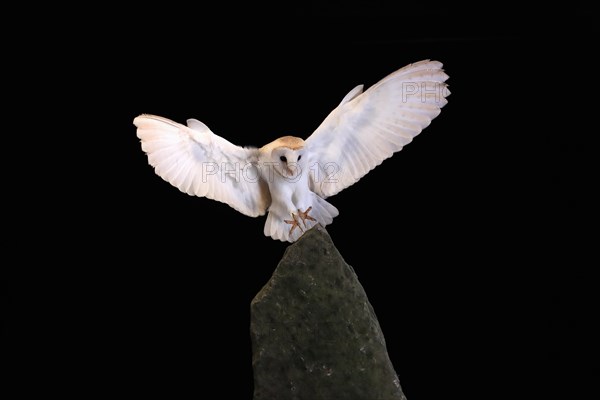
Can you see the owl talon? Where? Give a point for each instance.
(294, 223)
(304, 216)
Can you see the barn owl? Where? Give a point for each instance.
(291, 178)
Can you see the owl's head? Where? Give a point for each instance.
(288, 158)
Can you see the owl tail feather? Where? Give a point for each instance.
(322, 211)
(281, 225)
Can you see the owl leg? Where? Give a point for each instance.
(294, 223)
(304, 216)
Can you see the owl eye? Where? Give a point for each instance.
(282, 158)
(299, 157)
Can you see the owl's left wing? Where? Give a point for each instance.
(366, 128)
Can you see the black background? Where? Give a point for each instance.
(467, 241)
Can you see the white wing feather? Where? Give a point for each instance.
(366, 128)
(200, 163)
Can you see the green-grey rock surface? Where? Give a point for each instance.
(314, 333)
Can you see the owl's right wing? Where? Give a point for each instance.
(200, 163)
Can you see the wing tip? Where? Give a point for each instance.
(150, 118)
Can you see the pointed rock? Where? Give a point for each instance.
(314, 333)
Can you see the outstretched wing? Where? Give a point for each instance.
(366, 128)
(200, 163)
